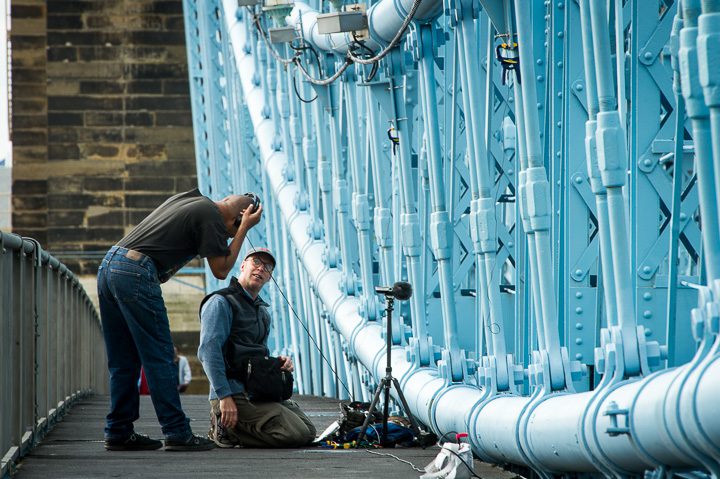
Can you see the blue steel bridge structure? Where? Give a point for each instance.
(545, 174)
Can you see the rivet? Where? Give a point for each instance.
(560, 34)
(648, 332)
(579, 87)
(539, 61)
(578, 326)
(578, 272)
(578, 341)
(578, 179)
(647, 269)
(559, 94)
(578, 310)
(647, 314)
(683, 216)
(647, 162)
(510, 171)
(579, 356)
(647, 55)
(578, 294)
(647, 296)
(540, 78)
(511, 244)
(560, 64)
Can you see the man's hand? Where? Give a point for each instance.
(287, 364)
(228, 412)
(250, 218)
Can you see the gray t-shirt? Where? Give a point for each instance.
(186, 225)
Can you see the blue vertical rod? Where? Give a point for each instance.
(360, 198)
(410, 236)
(382, 212)
(678, 172)
(440, 230)
(295, 132)
(612, 161)
(593, 171)
(708, 51)
(310, 151)
(537, 189)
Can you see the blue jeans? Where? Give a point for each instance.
(137, 332)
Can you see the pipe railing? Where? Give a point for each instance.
(51, 346)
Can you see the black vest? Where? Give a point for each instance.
(249, 330)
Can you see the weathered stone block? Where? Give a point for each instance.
(139, 119)
(64, 183)
(63, 133)
(145, 87)
(156, 38)
(147, 200)
(176, 87)
(64, 119)
(102, 183)
(65, 218)
(62, 54)
(63, 151)
(29, 137)
(30, 187)
(29, 121)
(28, 202)
(83, 103)
(185, 183)
(104, 118)
(92, 150)
(150, 183)
(110, 219)
(173, 118)
(64, 22)
(30, 219)
(100, 53)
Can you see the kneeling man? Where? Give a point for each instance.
(235, 323)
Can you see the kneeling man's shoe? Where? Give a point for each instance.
(134, 442)
(192, 443)
(221, 439)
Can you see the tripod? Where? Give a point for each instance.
(385, 384)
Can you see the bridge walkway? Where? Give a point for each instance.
(74, 449)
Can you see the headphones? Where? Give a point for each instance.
(254, 206)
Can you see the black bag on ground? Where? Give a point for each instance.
(264, 380)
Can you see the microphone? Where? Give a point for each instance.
(400, 290)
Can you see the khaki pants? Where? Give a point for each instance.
(266, 424)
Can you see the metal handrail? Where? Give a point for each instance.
(51, 347)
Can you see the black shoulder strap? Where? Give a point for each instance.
(228, 293)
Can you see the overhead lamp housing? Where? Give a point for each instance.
(341, 22)
(248, 3)
(282, 34)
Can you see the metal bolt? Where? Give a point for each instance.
(578, 341)
(511, 244)
(560, 34)
(510, 171)
(561, 5)
(578, 179)
(647, 314)
(578, 272)
(579, 87)
(647, 56)
(647, 162)
(560, 64)
(648, 332)
(683, 216)
(578, 294)
(647, 269)
(647, 296)
(578, 310)
(578, 326)
(579, 356)
(539, 61)
(540, 78)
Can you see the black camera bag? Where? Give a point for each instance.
(264, 380)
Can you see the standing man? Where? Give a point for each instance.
(134, 318)
(234, 323)
(183, 371)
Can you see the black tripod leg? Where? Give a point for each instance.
(388, 385)
(370, 411)
(405, 406)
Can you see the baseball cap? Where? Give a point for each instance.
(264, 251)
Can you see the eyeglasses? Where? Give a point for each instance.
(255, 203)
(269, 267)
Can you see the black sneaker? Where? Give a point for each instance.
(134, 442)
(221, 439)
(193, 443)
